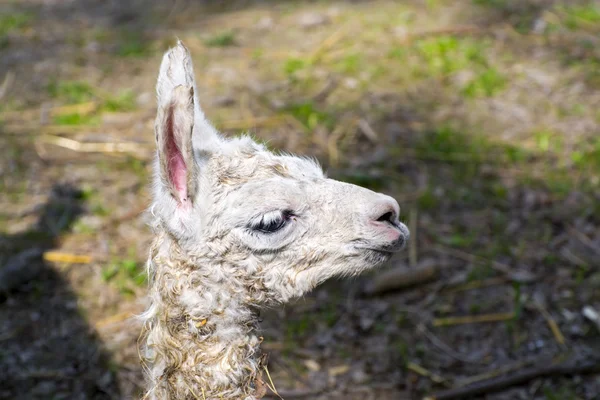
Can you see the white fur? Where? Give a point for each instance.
(209, 268)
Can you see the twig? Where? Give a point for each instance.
(89, 147)
(67, 258)
(330, 85)
(428, 374)
(272, 385)
(367, 130)
(492, 374)
(558, 336)
(399, 277)
(572, 367)
(472, 319)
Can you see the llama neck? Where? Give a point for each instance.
(200, 339)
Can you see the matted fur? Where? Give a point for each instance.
(213, 264)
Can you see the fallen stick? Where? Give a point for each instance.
(472, 319)
(554, 328)
(56, 256)
(89, 147)
(428, 374)
(399, 278)
(368, 131)
(573, 367)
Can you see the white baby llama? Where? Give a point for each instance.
(237, 228)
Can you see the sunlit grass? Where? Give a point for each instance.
(12, 22)
(222, 39)
(78, 92)
(581, 16)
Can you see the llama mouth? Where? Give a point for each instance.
(377, 256)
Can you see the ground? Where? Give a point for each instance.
(481, 117)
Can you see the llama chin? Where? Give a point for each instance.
(239, 227)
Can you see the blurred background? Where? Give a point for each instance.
(481, 117)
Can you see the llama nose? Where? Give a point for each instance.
(385, 210)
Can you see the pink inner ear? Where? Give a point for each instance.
(176, 164)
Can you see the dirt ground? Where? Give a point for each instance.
(481, 117)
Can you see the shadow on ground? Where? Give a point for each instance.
(47, 349)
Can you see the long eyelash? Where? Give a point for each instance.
(273, 217)
(266, 219)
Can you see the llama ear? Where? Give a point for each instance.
(175, 124)
(177, 69)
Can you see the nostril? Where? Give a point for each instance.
(387, 217)
(384, 210)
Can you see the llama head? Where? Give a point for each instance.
(276, 218)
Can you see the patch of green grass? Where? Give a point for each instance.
(222, 39)
(589, 158)
(548, 141)
(71, 91)
(446, 143)
(124, 101)
(133, 44)
(83, 228)
(397, 53)
(486, 84)
(350, 63)
(293, 65)
(75, 119)
(580, 16)
(447, 54)
(76, 92)
(12, 22)
(310, 116)
(126, 274)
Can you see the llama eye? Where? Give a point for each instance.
(272, 222)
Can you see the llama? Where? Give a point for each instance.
(239, 228)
